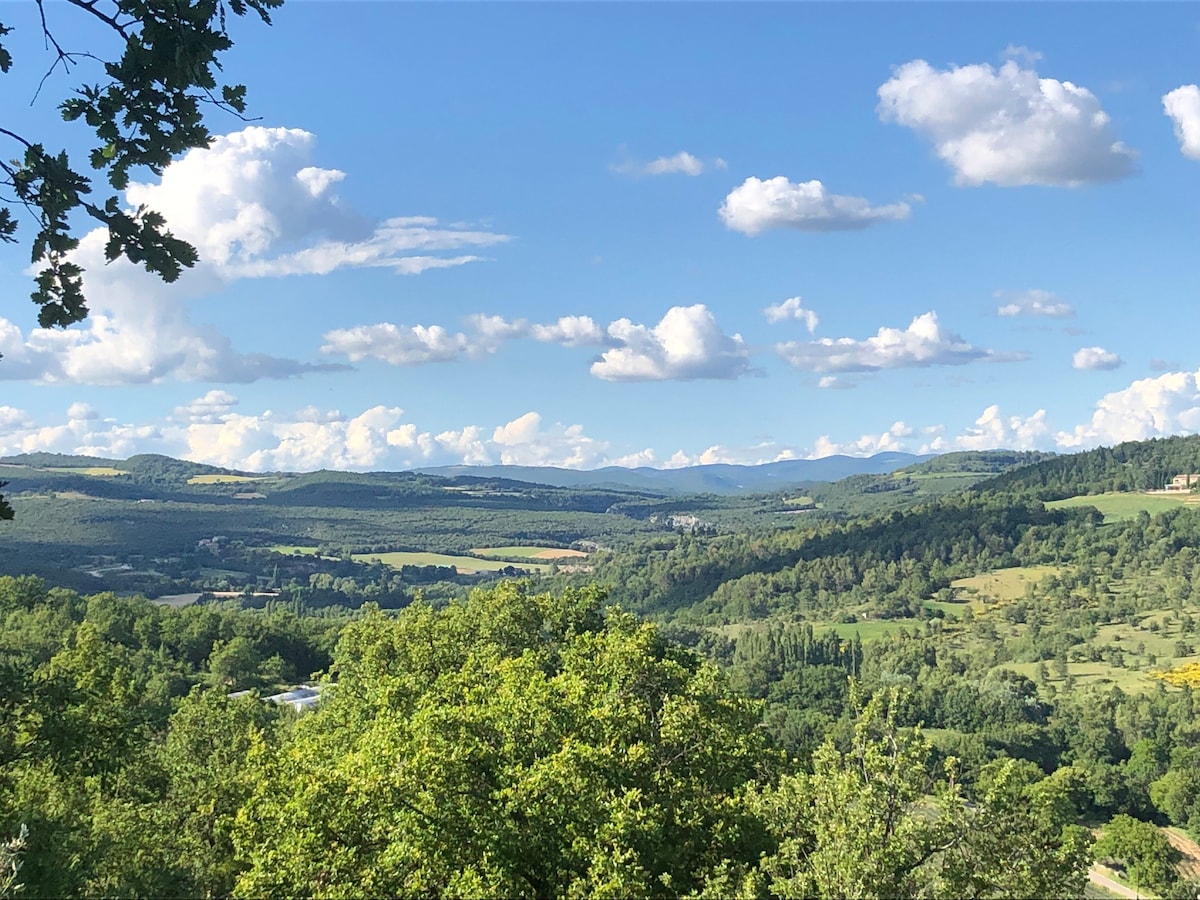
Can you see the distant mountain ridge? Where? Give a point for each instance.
(720, 478)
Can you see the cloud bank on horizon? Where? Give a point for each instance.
(210, 429)
(713, 297)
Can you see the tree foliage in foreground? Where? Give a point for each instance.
(519, 745)
(511, 744)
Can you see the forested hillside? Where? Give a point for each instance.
(1131, 466)
(976, 695)
(147, 524)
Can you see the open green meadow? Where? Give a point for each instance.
(866, 629)
(957, 477)
(951, 609)
(1120, 506)
(1124, 654)
(1130, 681)
(870, 629)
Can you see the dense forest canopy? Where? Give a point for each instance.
(1131, 466)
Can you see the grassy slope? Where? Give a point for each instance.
(1120, 506)
(1004, 584)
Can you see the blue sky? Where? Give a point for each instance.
(580, 234)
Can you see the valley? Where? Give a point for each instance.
(1013, 616)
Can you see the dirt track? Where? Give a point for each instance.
(1189, 867)
(1098, 878)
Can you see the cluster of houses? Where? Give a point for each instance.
(1183, 483)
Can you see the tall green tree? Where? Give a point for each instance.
(877, 819)
(513, 745)
(1177, 793)
(1149, 858)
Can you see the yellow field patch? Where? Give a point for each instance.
(1180, 676)
(557, 553)
(528, 552)
(222, 479)
(1005, 584)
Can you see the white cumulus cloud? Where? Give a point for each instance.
(682, 163)
(404, 345)
(1007, 126)
(492, 331)
(835, 383)
(397, 344)
(209, 408)
(1183, 106)
(722, 454)
(924, 343)
(792, 308)
(254, 206)
(310, 440)
(756, 206)
(686, 344)
(894, 439)
(525, 442)
(995, 431)
(1033, 303)
(1150, 407)
(572, 331)
(1095, 358)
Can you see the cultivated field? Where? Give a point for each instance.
(465, 565)
(1120, 506)
(222, 479)
(99, 471)
(1132, 654)
(292, 550)
(953, 609)
(528, 552)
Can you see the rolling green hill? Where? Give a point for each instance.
(1131, 466)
